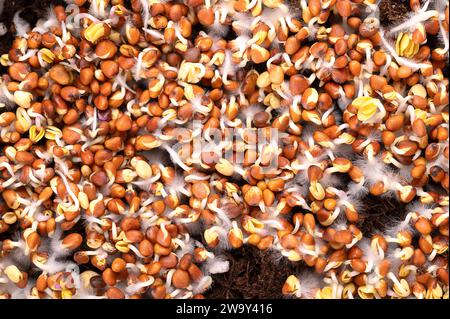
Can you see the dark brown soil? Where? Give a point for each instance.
(393, 12)
(253, 274)
(379, 213)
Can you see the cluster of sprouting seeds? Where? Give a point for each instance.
(98, 202)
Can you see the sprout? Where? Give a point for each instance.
(134, 288)
(444, 37)
(227, 67)
(357, 190)
(373, 255)
(219, 28)
(121, 81)
(303, 286)
(175, 157)
(221, 214)
(202, 285)
(154, 33)
(68, 188)
(145, 12)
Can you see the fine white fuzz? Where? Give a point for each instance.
(22, 27)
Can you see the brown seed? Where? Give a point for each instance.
(180, 279)
(134, 236)
(105, 49)
(114, 143)
(72, 241)
(377, 82)
(109, 277)
(175, 12)
(41, 282)
(276, 185)
(24, 157)
(109, 68)
(70, 93)
(425, 245)
(61, 75)
(343, 237)
(419, 127)
(259, 54)
(195, 272)
(200, 190)
(358, 265)
(231, 209)
(388, 137)
(118, 265)
(235, 237)
(341, 62)
(205, 16)
(97, 282)
(163, 238)
(101, 157)
(340, 47)
(268, 197)
(86, 76)
(379, 58)
(7, 118)
(292, 45)
(418, 171)
(115, 293)
(394, 123)
(169, 261)
(354, 67)
(192, 55)
(253, 196)
(403, 72)
(442, 275)
(18, 71)
(423, 225)
(260, 119)
(81, 258)
(99, 178)
(276, 74)
(418, 258)
(129, 223)
(344, 8)
(124, 123)
(408, 148)
(289, 241)
(185, 262)
(146, 248)
(158, 292)
(33, 241)
(369, 27)
(310, 98)
(146, 142)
